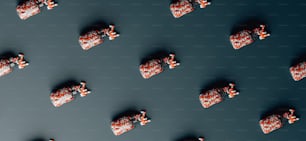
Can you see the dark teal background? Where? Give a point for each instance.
(200, 40)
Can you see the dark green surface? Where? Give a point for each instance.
(200, 40)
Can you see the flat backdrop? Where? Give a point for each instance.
(201, 42)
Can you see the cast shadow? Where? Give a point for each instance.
(127, 112)
(278, 108)
(248, 24)
(173, 1)
(217, 83)
(7, 54)
(301, 58)
(19, 2)
(188, 137)
(95, 25)
(38, 139)
(68, 83)
(157, 54)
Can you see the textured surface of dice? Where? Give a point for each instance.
(180, 8)
(215, 96)
(127, 123)
(155, 66)
(28, 8)
(298, 72)
(62, 96)
(90, 39)
(199, 39)
(7, 64)
(95, 37)
(5, 67)
(151, 68)
(67, 94)
(122, 125)
(276, 121)
(210, 98)
(246, 37)
(271, 123)
(241, 39)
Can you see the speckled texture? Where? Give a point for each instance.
(201, 43)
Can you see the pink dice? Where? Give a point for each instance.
(7, 64)
(216, 95)
(275, 121)
(96, 37)
(127, 123)
(241, 39)
(180, 8)
(30, 8)
(67, 94)
(298, 72)
(155, 66)
(246, 37)
(151, 68)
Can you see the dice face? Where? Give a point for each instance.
(151, 68)
(181, 8)
(90, 40)
(298, 72)
(122, 125)
(241, 39)
(270, 123)
(5, 67)
(210, 98)
(61, 97)
(27, 9)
